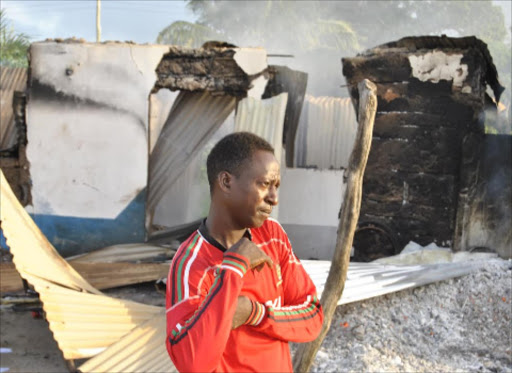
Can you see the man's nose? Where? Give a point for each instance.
(272, 197)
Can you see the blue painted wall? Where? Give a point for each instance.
(71, 235)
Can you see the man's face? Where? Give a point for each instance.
(254, 192)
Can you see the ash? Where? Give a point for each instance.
(459, 325)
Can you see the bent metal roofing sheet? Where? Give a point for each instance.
(82, 319)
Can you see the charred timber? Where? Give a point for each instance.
(283, 79)
(203, 69)
(431, 94)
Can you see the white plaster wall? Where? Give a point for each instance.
(309, 202)
(310, 196)
(435, 66)
(88, 145)
(84, 162)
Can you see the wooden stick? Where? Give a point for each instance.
(350, 207)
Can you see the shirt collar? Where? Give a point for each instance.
(204, 232)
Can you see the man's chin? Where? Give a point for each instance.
(258, 222)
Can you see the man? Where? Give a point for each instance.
(236, 293)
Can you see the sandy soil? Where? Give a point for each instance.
(31, 342)
(459, 325)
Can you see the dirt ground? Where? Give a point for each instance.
(31, 344)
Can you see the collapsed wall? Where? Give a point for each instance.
(431, 96)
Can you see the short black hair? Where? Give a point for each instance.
(230, 153)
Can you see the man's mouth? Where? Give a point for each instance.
(266, 211)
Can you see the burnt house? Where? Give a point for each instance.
(430, 175)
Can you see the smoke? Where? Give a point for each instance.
(318, 34)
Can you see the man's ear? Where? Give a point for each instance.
(224, 180)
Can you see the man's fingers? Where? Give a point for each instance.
(262, 261)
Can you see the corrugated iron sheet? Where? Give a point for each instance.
(143, 350)
(264, 118)
(100, 275)
(11, 79)
(84, 321)
(111, 275)
(85, 324)
(136, 252)
(326, 133)
(368, 280)
(194, 117)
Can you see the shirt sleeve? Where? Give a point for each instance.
(300, 317)
(199, 315)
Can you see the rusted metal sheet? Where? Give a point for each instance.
(327, 131)
(84, 321)
(11, 79)
(194, 117)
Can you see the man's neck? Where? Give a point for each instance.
(222, 229)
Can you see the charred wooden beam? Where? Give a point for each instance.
(283, 79)
(217, 70)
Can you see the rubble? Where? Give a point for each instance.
(459, 325)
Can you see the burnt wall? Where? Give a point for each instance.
(484, 213)
(429, 100)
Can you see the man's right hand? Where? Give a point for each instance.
(256, 257)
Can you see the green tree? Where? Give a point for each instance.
(13, 45)
(186, 34)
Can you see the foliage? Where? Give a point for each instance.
(186, 34)
(13, 45)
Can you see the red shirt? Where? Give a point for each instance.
(202, 293)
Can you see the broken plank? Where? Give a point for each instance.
(100, 275)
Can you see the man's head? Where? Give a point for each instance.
(244, 176)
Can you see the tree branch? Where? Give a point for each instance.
(350, 207)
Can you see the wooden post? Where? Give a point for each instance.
(98, 21)
(350, 207)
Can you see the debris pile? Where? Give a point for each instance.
(462, 324)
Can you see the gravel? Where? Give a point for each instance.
(459, 325)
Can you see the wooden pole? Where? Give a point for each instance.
(98, 21)
(350, 207)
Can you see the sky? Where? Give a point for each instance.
(136, 20)
(122, 20)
